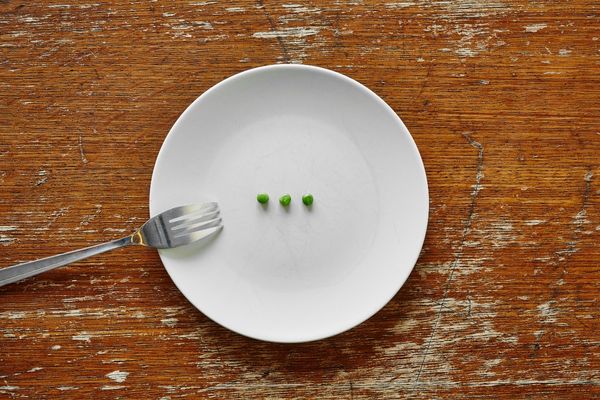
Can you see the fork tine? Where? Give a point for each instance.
(184, 212)
(195, 236)
(191, 212)
(198, 227)
(183, 224)
(194, 214)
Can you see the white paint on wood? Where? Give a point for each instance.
(170, 322)
(118, 230)
(488, 365)
(202, 3)
(287, 32)
(83, 337)
(89, 218)
(118, 376)
(67, 388)
(535, 27)
(534, 222)
(82, 298)
(203, 24)
(13, 315)
(6, 240)
(548, 312)
(400, 4)
(300, 9)
(112, 387)
(81, 150)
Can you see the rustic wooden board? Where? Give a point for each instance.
(502, 98)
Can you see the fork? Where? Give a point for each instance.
(172, 228)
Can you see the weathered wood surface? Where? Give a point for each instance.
(502, 98)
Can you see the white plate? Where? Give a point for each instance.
(296, 274)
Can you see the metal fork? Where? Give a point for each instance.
(173, 228)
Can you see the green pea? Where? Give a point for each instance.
(308, 199)
(262, 198)
(285, 200)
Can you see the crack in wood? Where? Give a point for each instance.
(425, 81)
(578, 221)
(81, 151)
(282, 46)
(459, 252)
(563, 255)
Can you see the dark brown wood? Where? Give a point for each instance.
(502, 98)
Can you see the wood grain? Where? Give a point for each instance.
(502, 98)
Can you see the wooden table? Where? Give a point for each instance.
(502, 98)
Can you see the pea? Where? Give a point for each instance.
(285, 200)
(308, 199)
(262, 198)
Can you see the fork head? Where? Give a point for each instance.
(180, 226)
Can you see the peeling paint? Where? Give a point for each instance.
(89, 218)
(118, 376)
(500, 233)
(300, 9)
(286, 32)
(474, 39)
(81, 150)
(401, 4)
(535, 27)
(118, 230)
(488, 365)
(170, 322)
(82, 298)
(6, 240)
(54, 216)
(112, 387)
(67, 388)
(534, 222)
(82, 337)
(548, 312)
(43, 178)
(13, 315)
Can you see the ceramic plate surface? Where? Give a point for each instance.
(294, 274)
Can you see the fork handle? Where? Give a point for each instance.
(31, 268)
